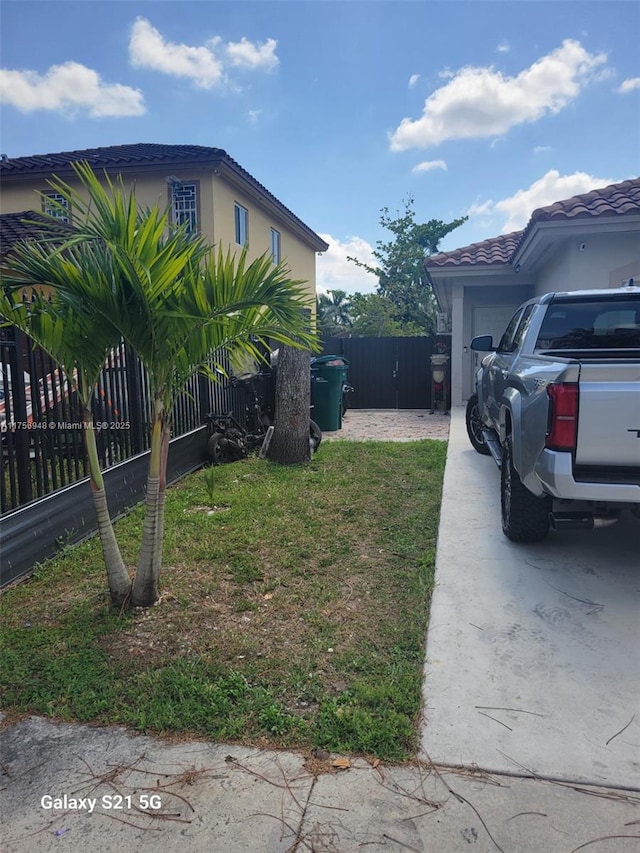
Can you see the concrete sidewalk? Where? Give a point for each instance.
(206, 797)
(506, 629)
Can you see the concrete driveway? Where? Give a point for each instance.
(533, 652)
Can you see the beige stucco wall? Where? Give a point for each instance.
(300, 258)
(589, 261)
(216, 214)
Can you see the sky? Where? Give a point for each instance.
(487, 108)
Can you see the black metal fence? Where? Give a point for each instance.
(393, 373)
(41, 421)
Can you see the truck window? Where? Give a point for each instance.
(507, 340)
(523, 325)
(591, 324)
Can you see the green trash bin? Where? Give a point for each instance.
(328, 375)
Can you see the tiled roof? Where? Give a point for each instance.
(113, 155)
(615, 200)
(497, 250)
(141, 155)
(26, 224)
(621, 199)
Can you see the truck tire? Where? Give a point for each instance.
(474, 426)
(525, 517)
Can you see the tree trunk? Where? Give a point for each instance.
(117, 575)
(145, 585)
(290, 443)
(162, 491)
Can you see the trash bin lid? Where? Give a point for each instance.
(330, 361)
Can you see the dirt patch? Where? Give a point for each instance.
(392, 425)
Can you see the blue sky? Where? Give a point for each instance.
(485, 109)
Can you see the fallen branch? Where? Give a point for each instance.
(603, 838)
(621, 730)
(495, 720)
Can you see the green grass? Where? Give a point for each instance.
(293, 612)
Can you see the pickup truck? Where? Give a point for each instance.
(557, 405)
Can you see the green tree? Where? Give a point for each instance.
(175, 302)
(400, 269)
(334, 314)
(374, 317)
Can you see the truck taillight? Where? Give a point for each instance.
(562, 433)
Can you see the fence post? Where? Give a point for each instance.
(134, 392)
(204, 393)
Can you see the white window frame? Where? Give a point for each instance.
(50, 202)
(241, 219)
(184, 209)
(275, 246)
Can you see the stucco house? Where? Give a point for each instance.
(204, 188)
(584, 242)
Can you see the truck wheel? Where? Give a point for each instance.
(474, 426)
(525, 517)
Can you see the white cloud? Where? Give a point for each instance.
(148, 49)
(69, 88)
(629, 85)
(480, 208)
(478, 103)
(429, 165)
(517, 209)
(413, 80)
(248, 55)
(503, 47)
(541, 149)
(254, 115)
(335, 271)
(206, 65)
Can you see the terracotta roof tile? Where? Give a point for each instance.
(614, 200)
(27, 224)
(496, 250)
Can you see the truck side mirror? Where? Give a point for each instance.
(482, 343)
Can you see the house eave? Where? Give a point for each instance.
(547, 236)
(445, 279)
(238, 177)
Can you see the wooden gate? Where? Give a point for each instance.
(389, 373)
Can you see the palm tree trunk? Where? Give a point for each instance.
(162, 491)
(145, 585)
(117, 575)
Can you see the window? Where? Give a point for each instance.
(523, 327)
(275, 246)
(241, 217)
(56, 205)
(508, 339)
(591, 324)
(184, 205)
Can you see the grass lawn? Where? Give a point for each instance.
(293, 613)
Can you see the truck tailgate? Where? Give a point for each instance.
(609, 414)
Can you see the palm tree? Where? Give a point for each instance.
(175, 303)
(334, 313)
(67, 330)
